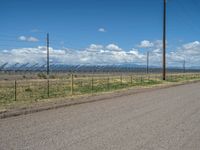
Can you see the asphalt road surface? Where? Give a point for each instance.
(165, 119)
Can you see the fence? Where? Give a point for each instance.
(37, 89)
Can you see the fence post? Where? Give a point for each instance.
(121, 79)
(72, 84)
(131, 79)
(48, 87)
(108, 84)
(15, 90)
(92, 84)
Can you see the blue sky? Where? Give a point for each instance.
(76, 24)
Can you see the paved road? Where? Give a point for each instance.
(165, 119)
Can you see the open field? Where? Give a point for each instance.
(27, 91)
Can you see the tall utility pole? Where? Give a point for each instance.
(164, 40)
(47, 54)
(148, 62)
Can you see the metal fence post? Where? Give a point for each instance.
(92, 84)
(72, 84)
(108, 83)
(131, 79)
(15, 90)
(121, 79)
(48, 88)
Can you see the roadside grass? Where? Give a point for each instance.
(30, 91)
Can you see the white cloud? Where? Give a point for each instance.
(32, 39)
(190, 52)
(192, 45)
(94, 48)
(145, 44)
(28, 39)
(94, 54)
(157, 51)
(102, 30)
(113, 47)
(109, 54)
(158, 44)
(22, 38)
(137, 54)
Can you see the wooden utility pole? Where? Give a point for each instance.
(164, 40)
